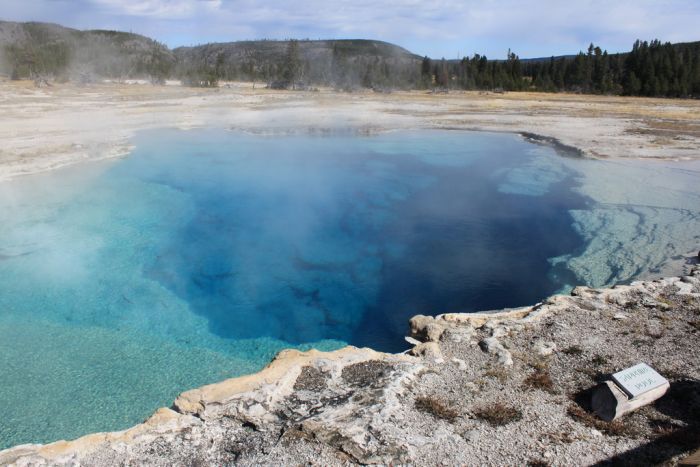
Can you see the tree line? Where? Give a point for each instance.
(651, 69)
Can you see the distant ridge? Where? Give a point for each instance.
(308, 47)
(50, 50)
(47, 48)
(342, 61)
(31, 48)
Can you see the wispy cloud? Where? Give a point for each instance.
(164, 9)
(436, 27)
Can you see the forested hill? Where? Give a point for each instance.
(343, 63)
(43, 49)
(28, 49)
(650, 69)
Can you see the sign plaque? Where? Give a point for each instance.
(639, 379)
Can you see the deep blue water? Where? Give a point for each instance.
(307, 238)
(205, 252)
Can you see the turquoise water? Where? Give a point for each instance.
(204, 253)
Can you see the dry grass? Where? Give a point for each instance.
(436, 408)
(663, 299)
(498, 372)
(540, 380)
(599, 360)
(498, 414)
(562, 437)
(573, 350)
(687, 300)
(614, 428)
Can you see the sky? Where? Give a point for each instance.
(437, 28)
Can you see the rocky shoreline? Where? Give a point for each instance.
(509, 387)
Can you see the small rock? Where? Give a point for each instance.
(256, 410)
(492, 345)
(411, 340)
(472, 386)
(545, 349)
(458, 334)
(426, 329)
(428, 350)
(596, 433)
(684, 288)
(434, 331)
(505, 358)
(623, 302)
(691, 280)
(461, 364)
(619, 316)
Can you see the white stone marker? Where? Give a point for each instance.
(638, 379)
(630, 389)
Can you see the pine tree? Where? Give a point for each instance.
(425, 71)
(633, 86)
(291, 71)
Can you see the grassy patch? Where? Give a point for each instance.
(436, 408)
(654, 332)
(665, 301)
(498, 372)
(614, 428)
(561, 437)
(498, 414)
(540, 380)
(573, 350)
(690, 301)
(539, 364)
(599, 360)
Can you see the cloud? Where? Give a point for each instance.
(165, 9)
(436, 27)
(546, 22)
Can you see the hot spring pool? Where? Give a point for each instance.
(204, 253)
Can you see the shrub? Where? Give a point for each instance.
(599, 360)
(498, 414)
(540, 380)
(573, 350)
(614, 428)
(436, 408)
